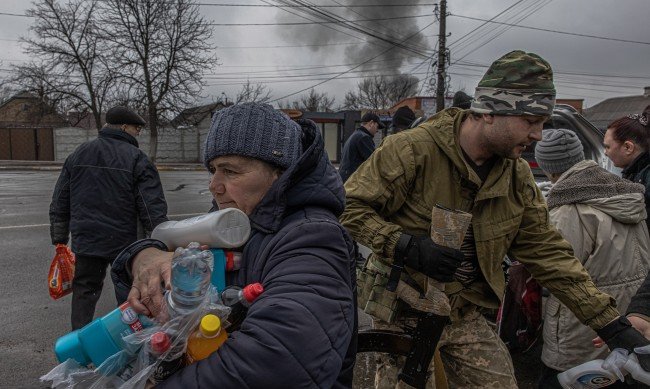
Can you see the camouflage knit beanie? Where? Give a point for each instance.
(518, 83)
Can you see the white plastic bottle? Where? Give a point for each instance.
(226, 228)
(636, 371)
(589, 375)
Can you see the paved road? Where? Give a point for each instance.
(30, 320)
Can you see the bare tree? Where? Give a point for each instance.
(314, 101)
(250, 93)
(71, 65)
(381, 92)
(161, 51)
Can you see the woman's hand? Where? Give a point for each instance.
(151, 268)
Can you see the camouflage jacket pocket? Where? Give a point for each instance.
(373, 296)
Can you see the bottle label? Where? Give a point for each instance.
(595, 381)
(166, 369)
(130, 317)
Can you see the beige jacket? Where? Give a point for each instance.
(602, 216)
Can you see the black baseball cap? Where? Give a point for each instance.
(124, 115)
(372, 117)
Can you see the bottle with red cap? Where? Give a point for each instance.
(170, 361)
(234, 295)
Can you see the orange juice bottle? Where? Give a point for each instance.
(206, 339)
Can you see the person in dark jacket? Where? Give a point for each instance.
(301, 332)
(402, 119)
(106, 186)
(627, 144)
(359, 145)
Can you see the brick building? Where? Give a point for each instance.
(27, 125)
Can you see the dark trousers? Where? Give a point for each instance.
(89, 274)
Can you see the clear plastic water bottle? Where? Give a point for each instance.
(190, 279)
(234, 295)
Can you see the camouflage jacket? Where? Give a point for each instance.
(395, 190)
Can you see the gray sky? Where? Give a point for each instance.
(585, 67)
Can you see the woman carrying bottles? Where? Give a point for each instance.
(301, 332)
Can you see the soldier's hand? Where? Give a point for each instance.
(619, 333)
(436, 261)
(151, 269)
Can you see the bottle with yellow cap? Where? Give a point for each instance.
(206, 339)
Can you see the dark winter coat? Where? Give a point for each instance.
(639, 171)
(301, 332)
(105, 187)
(356, 150)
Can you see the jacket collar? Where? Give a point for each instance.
(119, 135)
(363, 129)
(310, 181)
(637, 165)
(586, 181)
(444, 128)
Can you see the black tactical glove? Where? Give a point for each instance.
(620, 334)
(422, 254)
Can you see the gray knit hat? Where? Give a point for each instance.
(558, 150)
(254, 130)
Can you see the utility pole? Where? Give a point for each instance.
(442, 60)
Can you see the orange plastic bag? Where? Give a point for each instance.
(61, 272)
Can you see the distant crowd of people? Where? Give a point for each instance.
(586, 241)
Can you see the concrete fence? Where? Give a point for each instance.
(183, 145)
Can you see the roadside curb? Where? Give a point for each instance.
(56, 166)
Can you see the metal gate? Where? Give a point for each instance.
(27, 144)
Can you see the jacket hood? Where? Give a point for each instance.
(587, 183)
(311, 181)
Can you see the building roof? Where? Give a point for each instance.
(195, 115)
(609, 110)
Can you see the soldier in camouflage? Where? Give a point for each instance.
(469, 160)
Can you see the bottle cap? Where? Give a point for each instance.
(160, 342)
(252, 291)
(210, 325)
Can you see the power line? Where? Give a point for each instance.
(12, 14)
(321, 22)
(320, 6)
(553, 31)
(520, 15)
(349, 70)
(313, 10)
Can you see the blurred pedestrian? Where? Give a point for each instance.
(359, 145)
(107, 185)
(627, 144)
(402, 119)
(602, 216)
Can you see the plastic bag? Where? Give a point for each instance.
(132, 367)
(61, 273)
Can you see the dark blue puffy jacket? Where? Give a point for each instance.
(105, 187)
(301, 332)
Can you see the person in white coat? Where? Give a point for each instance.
(603, 217)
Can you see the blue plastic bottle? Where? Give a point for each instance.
(101, 338)
(224, 261)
